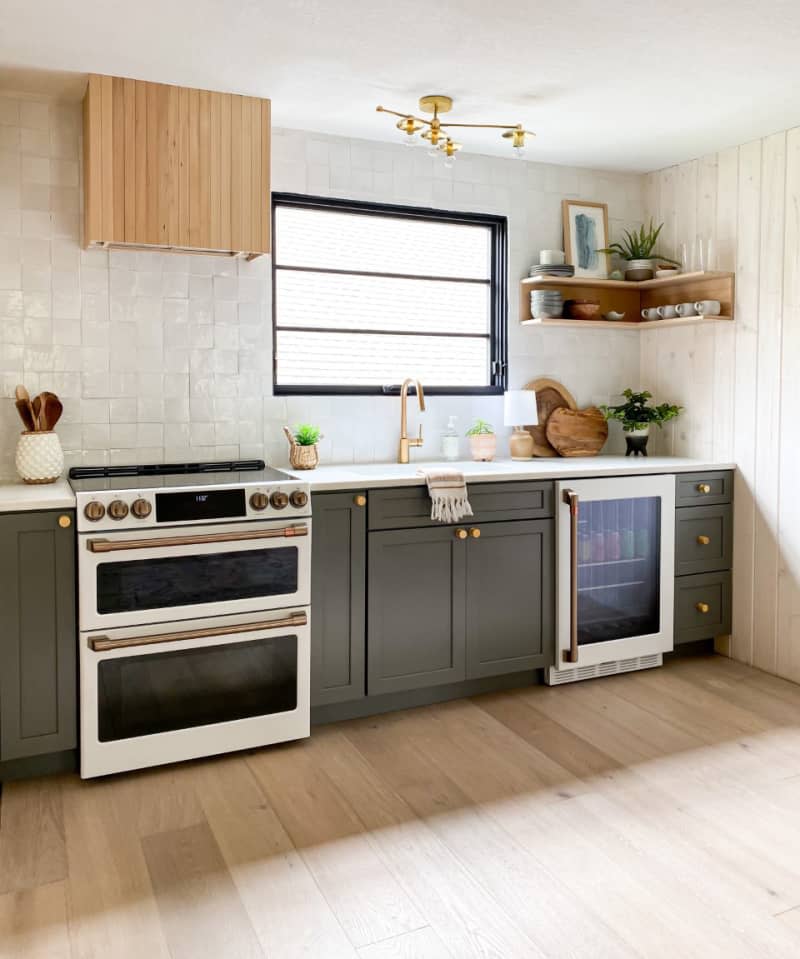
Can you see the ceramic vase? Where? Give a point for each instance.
(636, 442)
(483, 446)
(39, 457)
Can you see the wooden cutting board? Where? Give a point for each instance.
(577, 432)
(550, 396)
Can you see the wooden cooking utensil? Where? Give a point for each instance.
(550, 395)
(23, 396)
(26, 415)
(37, 411)
(577, 432)
(51, 410)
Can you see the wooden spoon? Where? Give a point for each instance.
(51, 411)
(26, 415)
(23, 396)
(37, 412)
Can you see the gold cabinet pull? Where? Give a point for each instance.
(703, 540)
(65, 521)
(461, 534)
(702, 607)
(474, 532)
(360, 499)
(572, 500)
(703, 488)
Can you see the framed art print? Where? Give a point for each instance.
(585, 234)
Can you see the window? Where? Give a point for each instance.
(366, 294)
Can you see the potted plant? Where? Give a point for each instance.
(637, 249)
(636, 415)
(303, 451)
(482, 441)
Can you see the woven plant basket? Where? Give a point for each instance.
(301, 457)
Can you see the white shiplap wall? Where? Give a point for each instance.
(741, 384)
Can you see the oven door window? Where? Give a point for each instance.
(125, 586)
(159, 692)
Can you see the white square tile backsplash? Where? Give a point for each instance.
(168, 356)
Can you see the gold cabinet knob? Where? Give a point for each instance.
(461, 534)
(65, 522)
(703, 540)
(702, 607)
(703, 488)
(360, 500)
(474, 532)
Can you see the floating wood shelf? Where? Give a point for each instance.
(630, 298)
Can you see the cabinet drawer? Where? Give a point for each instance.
(702, 607)
(703, 539)
(410, 506)
(690, 488)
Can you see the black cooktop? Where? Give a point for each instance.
(165, 469)
(89, 479)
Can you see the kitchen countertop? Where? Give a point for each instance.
(373, 475)
(18, 496)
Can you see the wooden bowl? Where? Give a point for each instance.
(584, 309)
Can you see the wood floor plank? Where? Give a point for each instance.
(289, 913)
(201, 912)
(32, 847)
(367, 900)
(110, 906)
(420, 944)
(33, 923)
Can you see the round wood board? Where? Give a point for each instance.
(577, 432)
(550, 395)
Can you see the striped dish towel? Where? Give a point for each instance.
(448, 492)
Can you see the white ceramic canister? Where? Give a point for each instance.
(551, 257)
(40, 458)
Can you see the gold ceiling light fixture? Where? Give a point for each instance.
(434, 130)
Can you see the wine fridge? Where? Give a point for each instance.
(615, 549)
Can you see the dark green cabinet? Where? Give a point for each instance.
(444, 609)
(510, 595)
(338, 570)
(38, 646)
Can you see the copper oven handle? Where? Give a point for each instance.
(111, 546)
(571, 499)
(102, 643)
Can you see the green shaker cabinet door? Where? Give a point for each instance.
(338, 571)
(38, 646)
(510, 598)
(415, 609)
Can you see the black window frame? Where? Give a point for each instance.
(498, 293)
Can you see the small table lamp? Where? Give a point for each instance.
(519, 409)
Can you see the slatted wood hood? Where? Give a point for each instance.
(175, 168)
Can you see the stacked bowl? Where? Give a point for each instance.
(546, 303)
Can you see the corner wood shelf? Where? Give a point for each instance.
(631, 298)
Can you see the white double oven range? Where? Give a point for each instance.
(194, 607)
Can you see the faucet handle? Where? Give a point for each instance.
(419, 440)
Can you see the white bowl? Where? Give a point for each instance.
(664, 274)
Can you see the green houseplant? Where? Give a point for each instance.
(637, 249)
(482, 440)
(636, 415)
(303, 451)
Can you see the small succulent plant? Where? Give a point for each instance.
(307, 435)
(480, 428)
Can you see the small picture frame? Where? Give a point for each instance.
(586, 232)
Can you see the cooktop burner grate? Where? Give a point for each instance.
(165, 469)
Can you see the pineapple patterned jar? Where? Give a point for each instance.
(39, 457)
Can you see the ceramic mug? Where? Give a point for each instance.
(686, 309)
(707, 307)
(651, 314)
(667, 312)
(551, 257)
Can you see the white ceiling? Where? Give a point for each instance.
(630, 85)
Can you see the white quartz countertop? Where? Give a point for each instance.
(18, 496)
(372, 475)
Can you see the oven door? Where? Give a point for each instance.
(172, 574)
(151, 696)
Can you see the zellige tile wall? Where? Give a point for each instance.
(165, 356)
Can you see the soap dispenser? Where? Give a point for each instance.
(450, 449)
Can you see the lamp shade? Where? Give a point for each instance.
(519, 408)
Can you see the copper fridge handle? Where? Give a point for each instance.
(112, 546)
(103, 643)
(570, 498)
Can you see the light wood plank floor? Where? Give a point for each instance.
(650, 815)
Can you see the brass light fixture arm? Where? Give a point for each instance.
(492, 126)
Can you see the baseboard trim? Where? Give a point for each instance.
(48, 764)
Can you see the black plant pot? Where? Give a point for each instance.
(636, 445)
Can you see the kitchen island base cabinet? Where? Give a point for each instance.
(38, 646)
(338, 572)
(444, 609)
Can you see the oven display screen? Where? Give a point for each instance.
(212, 504)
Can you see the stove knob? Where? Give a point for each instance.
(298, 498)
(259, 500)
(117, 509)
(94, 511)
(279, 500)
(141, 509)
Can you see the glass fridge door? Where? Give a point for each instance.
(619, 569)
